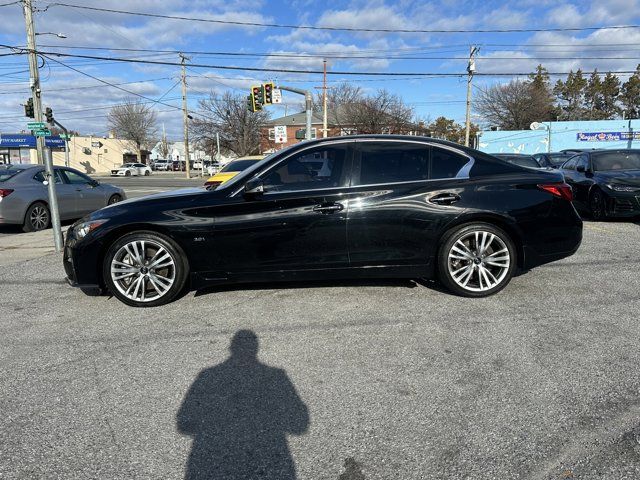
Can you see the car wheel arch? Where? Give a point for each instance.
(118, 232)
(496, 220)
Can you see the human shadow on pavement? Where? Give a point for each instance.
(239, 414)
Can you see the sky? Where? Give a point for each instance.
(81, 101)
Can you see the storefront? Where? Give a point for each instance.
(16, 148)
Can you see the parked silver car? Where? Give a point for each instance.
(24, 196)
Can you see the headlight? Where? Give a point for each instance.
(618, 187)
(83, 229)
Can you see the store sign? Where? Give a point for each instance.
(18, 140)
(607, 136)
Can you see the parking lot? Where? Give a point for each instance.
(377, 380)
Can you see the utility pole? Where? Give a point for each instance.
(471, 68)
(324, 99)
(34, 83)
(185, 115)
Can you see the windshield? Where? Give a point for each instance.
(249, 171)
(616, 161)
(521, 160)
(238, 165)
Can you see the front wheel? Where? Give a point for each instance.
(127, 173)
(145, 269)
(147, 173)
(476, 260)
(114, 199)
(596, 205)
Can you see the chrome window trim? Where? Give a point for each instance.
(463, 173)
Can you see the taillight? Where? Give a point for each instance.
(5, 191)
(560, 190)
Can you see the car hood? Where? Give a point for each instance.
(158, 196)
(628, 177)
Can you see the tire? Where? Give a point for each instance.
(127, 173)
(37, 218)
(114, 199)
(147, 173)
(140, 284)
(470, 272)
(596, 205)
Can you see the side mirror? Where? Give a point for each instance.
(94, 183)
(581, 169)
(254, 188)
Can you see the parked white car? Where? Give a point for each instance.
(129, 169)
(162, 165)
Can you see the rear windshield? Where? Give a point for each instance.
(238, 165)
(558, 158)
(616, 161)
(521, 160)
(7, 174)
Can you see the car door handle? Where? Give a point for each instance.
(444, 199)
(328, 208)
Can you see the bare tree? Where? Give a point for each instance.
(227, 114)
(135, 122)
(514, 105)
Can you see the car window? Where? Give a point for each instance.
(583, 161)
(40, 176)
(445, 163)
(238, 165)
(315, 168)
(558, 158)
(389, 162)
(617, 161)
(570, 164)
(76, 178)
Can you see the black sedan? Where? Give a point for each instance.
(605, 183)
(360, 206)
(552, 159)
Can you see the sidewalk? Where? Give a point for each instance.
(17, 247)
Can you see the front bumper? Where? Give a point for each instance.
(622, 205)
(80, 262)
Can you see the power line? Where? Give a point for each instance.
(83, 87)
(307, 72)
(339, 29)
(323, 55)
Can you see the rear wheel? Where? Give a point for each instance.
(37, 218)
(596, 205)
(476, 260)
(145, 269)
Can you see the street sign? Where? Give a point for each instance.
(35, 125)
(96, 144)
(65, 136)
(276, 96)
(280, 134)
(42, 133)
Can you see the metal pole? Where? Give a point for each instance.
(309, 102)
(218, 146)
(470, 69)
(549, 137)
(44, 155)
(185, 115)
(66, 152)
(324, 100)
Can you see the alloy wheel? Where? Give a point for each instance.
(143, 270)
(39, 217)
(478, 261)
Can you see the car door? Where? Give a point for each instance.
(583, 179)
(402, 194)
(89, 195)
(65, 194)
(297, 224)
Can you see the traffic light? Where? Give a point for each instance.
(28, 109)
(268, 93)
(258, 97)
(250, 103)
(48, 113)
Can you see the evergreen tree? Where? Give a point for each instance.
(541, 95)
(570, 95)
(610, 94)
(593, 97)
(630, 95)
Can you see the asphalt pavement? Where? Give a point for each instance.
(352, 380)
